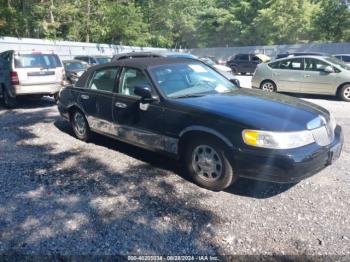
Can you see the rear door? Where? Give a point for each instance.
(289, 75)
(38, 68)
(96, 99)
(315, 79)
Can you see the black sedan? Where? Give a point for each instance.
(185, 109)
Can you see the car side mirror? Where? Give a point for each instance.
(145, 93)
(328, 69)
(235, 82)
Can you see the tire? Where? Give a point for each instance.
(344, 93)
(9, 102)
(234, 70)
(80, 126)
(207, 163)
(268, 86)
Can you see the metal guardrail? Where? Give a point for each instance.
(67, 49)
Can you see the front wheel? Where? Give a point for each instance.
(207, 164)
(345, 93)
(80, 126)
(268, 86)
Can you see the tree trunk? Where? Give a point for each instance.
(88, 11)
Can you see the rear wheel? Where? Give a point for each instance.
(80, 126)
(268, 86)
(9, 101)
(345, 93)
(207, 164)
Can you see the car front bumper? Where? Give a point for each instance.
(47, 89)
(288, 166)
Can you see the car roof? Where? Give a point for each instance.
(154, 53)
(144, 63)
(298, 57)
(73, 60)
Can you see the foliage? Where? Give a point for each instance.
(178, 23)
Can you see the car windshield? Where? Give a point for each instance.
(75, 66)
(208, 61)
(337, 62)
(37, 61)
(189, 79)
(103, 60)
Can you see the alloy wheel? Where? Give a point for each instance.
(207, 163)
(346, 93)
(268, 87)
(79, 123)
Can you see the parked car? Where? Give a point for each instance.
(246, 63)
(186, 109)
(343, 57)
(305, 74)
(25, 73)
(94, 60)
(152, 54)
(224, 70)
(74, 69)
(283, 55)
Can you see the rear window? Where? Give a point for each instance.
(37, 61)
(75, 66)
(103, 60)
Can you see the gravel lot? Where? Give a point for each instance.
(59, 195)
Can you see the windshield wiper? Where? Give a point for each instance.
(188, 95)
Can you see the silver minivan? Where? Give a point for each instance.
(324, 75)
(24, 73)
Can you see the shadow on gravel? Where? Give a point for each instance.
(242, 187)
(54, 202)
(31, 103)
(257, 189)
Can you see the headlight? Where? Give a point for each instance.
(277, 140)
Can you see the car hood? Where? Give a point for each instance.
(256, 109)
(222, 68)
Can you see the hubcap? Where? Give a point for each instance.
(347, 93)
(79, 123)
(268, 87)
(207, 163)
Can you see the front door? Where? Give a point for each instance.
(315, 79)
(137, 124)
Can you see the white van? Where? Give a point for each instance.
(24, 73)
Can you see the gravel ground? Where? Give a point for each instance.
(59, 195)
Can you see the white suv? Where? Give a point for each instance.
(29, 73)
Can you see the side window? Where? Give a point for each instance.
(346, 59)
(104, 79)
(130, 79)
(244, 57)
(292, 64)
(312, 64)
(274, 65)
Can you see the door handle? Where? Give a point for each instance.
(84, 96)
(120, 105)
(306, 75)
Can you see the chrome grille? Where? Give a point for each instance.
(324, 135)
